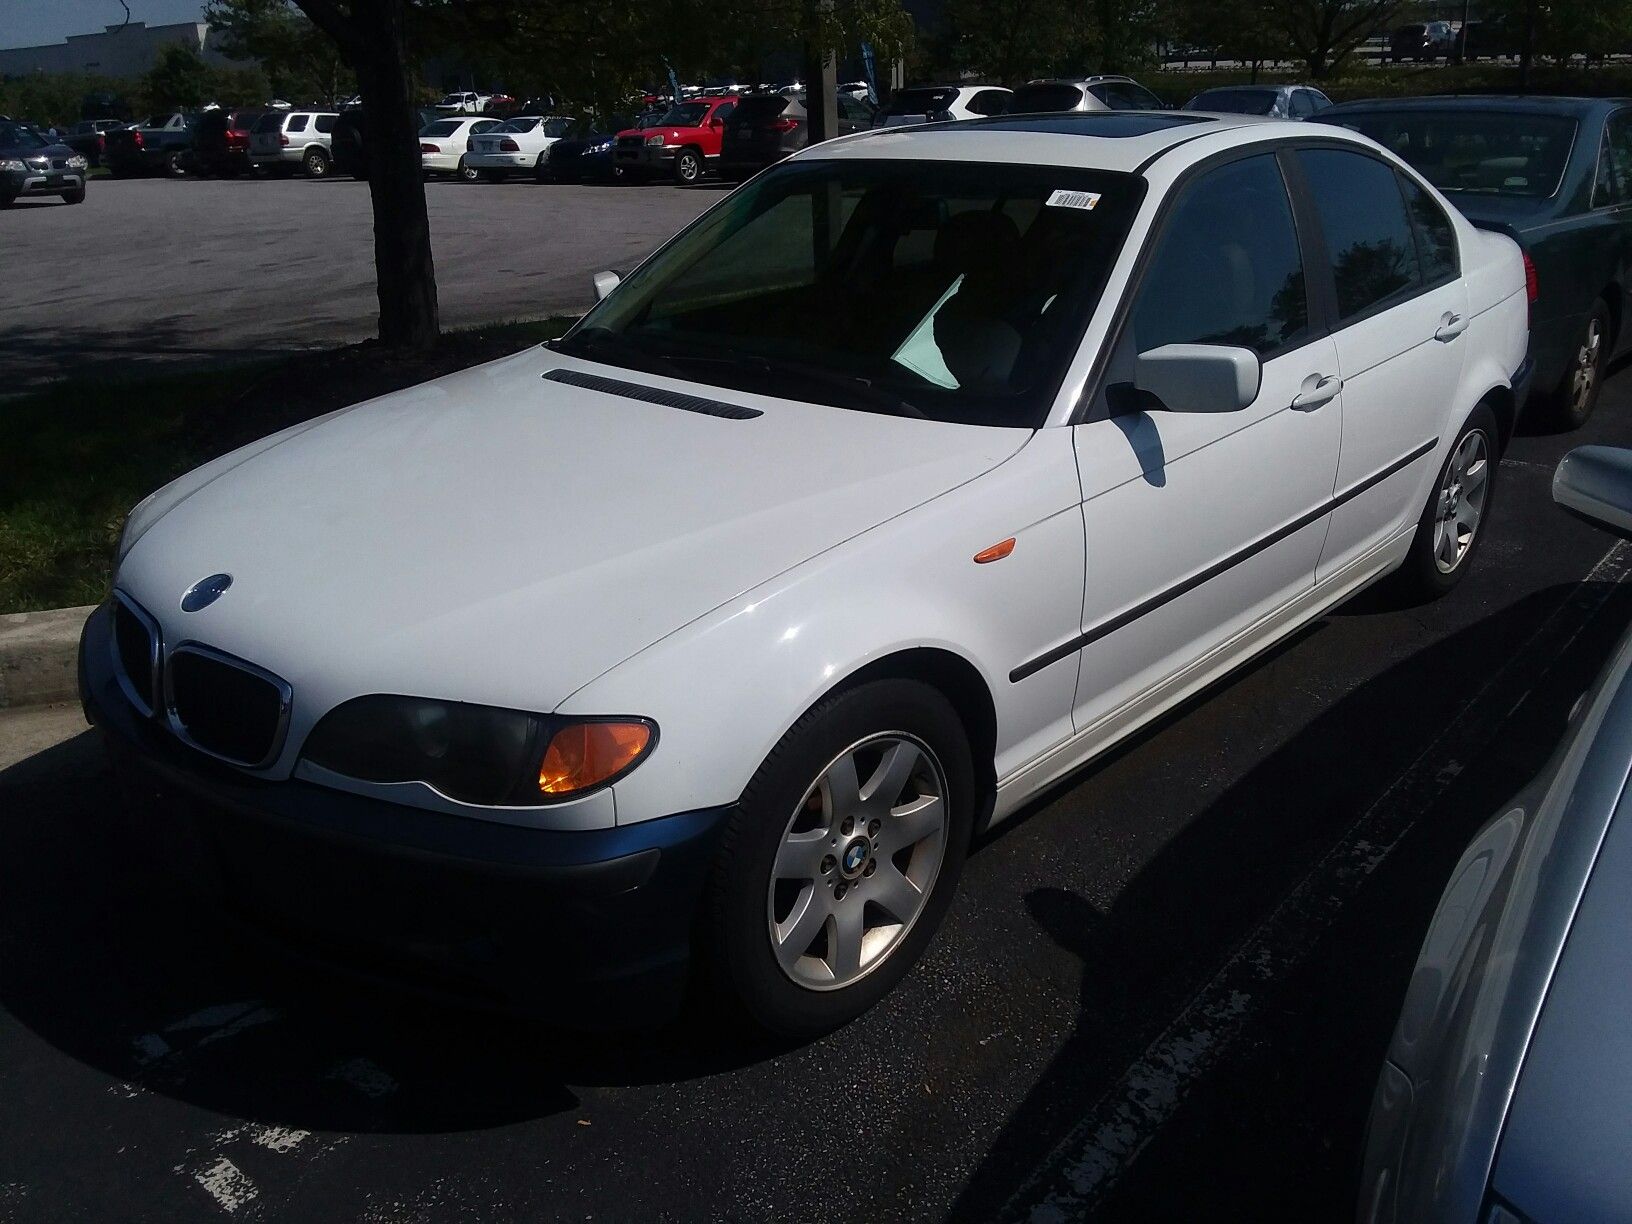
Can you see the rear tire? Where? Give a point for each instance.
(883, 774)
(1576, 395)
(174, 166)
(466, 172)
(1454, 520)
(315, 164)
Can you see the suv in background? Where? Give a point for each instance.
(1427, 41)
(940, 103)
(765, 128)
(289, 140)
(163, 144)
(348, 140)
(221, 140)
(681, 144)
(1273, 101)
(87, 138)
(1086, 94)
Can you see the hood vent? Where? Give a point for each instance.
(653, 395)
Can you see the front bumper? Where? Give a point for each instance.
(645, 157)
(40, 182)
(577, 926)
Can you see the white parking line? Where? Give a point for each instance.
(1105, 1142)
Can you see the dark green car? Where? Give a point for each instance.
(1555, 174)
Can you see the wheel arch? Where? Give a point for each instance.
(1611, 296)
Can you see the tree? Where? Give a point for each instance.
(178, 78)
(1323, 33)
(300, 61)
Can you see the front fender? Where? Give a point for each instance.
(726, 687)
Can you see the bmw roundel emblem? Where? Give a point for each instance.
(205, 592)
(855, 855)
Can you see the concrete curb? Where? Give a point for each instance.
(38, 656)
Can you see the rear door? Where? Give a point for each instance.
(1199, 525)
(1402, 310)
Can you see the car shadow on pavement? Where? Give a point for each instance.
(103, 962)
(1294, 1141)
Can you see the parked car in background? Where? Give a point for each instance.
(348, 141)
(684, 144)
(221, 140)
(87, 138)
(1426, 41)
(1505, 1094)
(1276, 101)
(1494, 37)
(941, 103)
(517, 146)
(1555, 174)
(444, 145)
(163, 144)
(285, 142)
(584, 154)
(31, 165)
(466, 103)
(774, 771)
(765, 128)
(1087, 94)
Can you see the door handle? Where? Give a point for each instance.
(1319, 389)
(1450, 327)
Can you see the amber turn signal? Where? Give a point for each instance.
(996, 552)
(587, 754)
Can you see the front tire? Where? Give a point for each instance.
(842, 858)
(1453, 522)
(1577, 393)
(688, 166)
(77, 196)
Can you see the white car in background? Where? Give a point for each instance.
(466, 103)
(516, 146)
(444, 145)
(711, 634)
(941, 103)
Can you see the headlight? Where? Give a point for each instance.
(13, 164)
(477, 754)
(654, 141)
(77, 162)
(600, 148)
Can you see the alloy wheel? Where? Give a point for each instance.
(858, 861)
(1461, 502)
(1584, 377)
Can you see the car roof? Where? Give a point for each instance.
(1105, 140)
(1087, 80)
(1510, 103)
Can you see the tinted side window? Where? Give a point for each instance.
(989, 102)
(1603, 186)
(1301, 103)
(297, 123)
(1619, 132)
(325, 123)
(1226, 268)
(1128, 96)
(1436, 237)
(1374, 256)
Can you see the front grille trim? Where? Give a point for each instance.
(143, 701)
(178, 728)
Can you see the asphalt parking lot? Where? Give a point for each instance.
(150, 272)
(1162, 994)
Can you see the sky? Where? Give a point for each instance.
(28, 23)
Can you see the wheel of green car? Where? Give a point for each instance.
(77, 196)
(174, 166)
(1577, 392)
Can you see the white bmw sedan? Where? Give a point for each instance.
(703, 640)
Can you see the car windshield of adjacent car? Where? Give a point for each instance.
(558, 126)
(687, 114)
(443, 127)
(1044, 96)
(1234, 101)
(519, 125)
(16, 136)
(1494, 152)
(977, 282)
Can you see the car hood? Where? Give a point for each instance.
(498, 537)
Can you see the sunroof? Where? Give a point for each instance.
(1110, 124)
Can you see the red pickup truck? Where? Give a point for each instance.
(684, 143)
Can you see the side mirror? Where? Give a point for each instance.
(1595, 483)
(1199, 377)
(605, 282)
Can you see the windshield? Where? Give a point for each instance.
(1234, 101)
(1486, 152)
(16, 136)
(1032, 99)
(948, 290)
(689, 114)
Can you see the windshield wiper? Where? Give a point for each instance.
(602, 344)
(858, 390)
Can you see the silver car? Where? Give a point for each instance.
(1093, 93)
(1507, 1090)
(1275, 101)
(294, 140)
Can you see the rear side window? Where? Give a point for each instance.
(1125, 95)
(1619, 160)
(325, 123)
(442, 127)
(920, 101)
(1302, 104)
(1436, 237)
(1368, 235)
(297, 123)
(989, 102)
(1031, 99)
(1227, 269)
(272, 121)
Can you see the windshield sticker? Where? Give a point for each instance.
(1074, 199)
